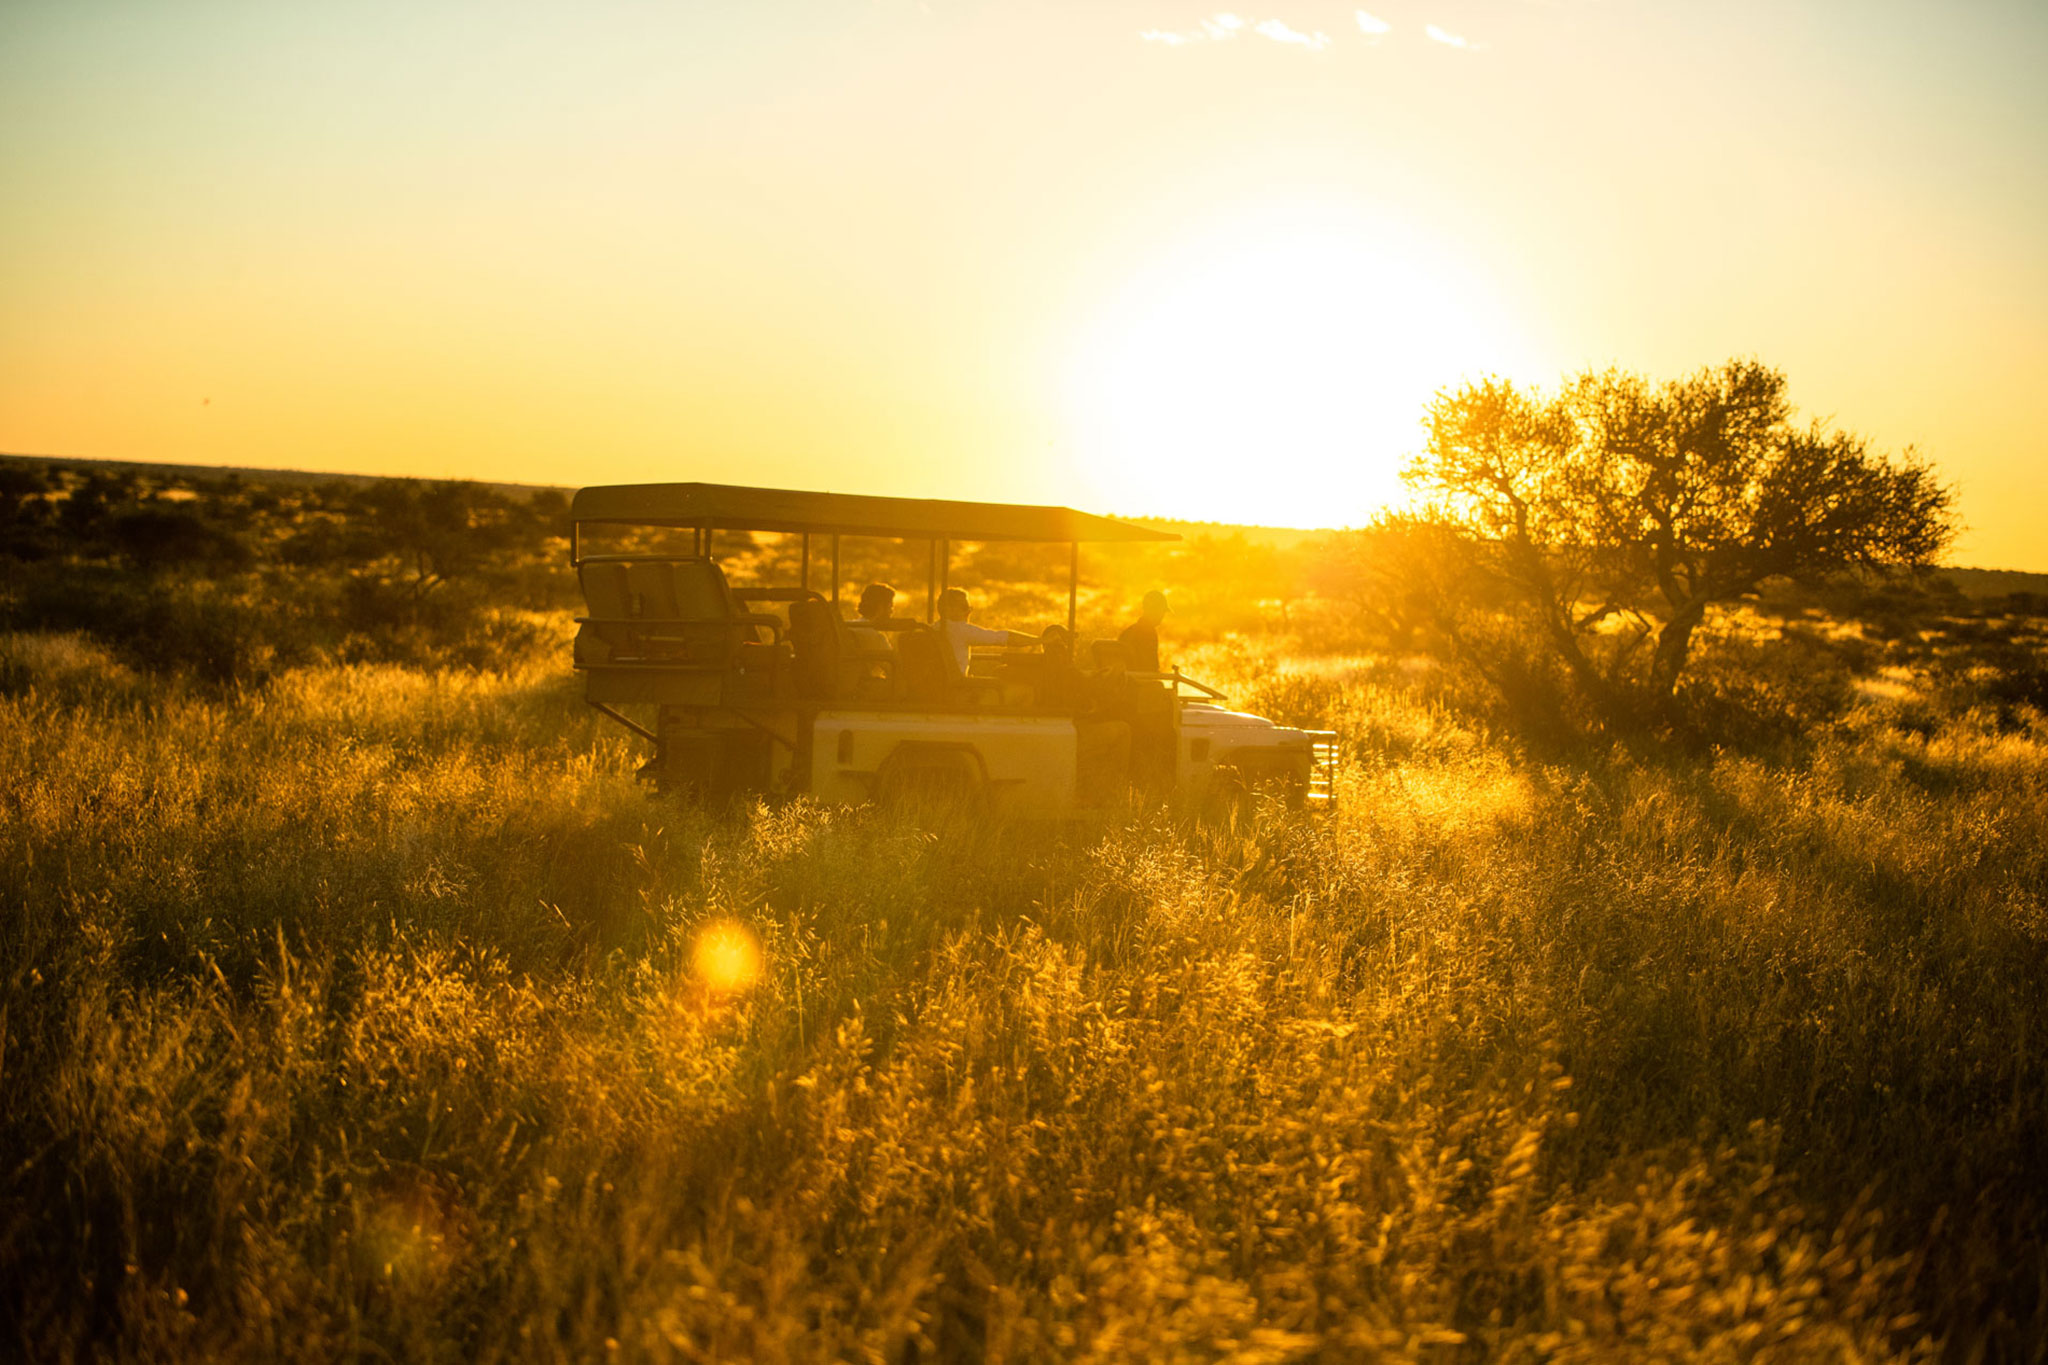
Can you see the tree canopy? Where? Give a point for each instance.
(1618, 510)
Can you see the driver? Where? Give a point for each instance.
(1141, 637)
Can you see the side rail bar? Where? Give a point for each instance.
(1180, 680)
(664, 628)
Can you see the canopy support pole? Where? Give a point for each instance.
(1073, 581)
(807, 562)
(945, 562)
(835, 568)
(931, 581)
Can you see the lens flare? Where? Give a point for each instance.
(728, 959)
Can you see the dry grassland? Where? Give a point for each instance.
(375, 1013)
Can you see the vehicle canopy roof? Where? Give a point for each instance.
(728, 507)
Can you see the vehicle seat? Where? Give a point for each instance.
(651, 588)
(867, 661)
(814, 636)
(925, 671)
(606, 637)
(702, 593)
(679, 612)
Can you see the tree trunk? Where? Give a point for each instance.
(1674, 646)
(1566, 642)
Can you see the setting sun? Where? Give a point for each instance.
(1274, 372)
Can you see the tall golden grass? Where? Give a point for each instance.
(377, 1014)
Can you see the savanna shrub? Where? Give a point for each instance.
(222, 632)
(1308, 700)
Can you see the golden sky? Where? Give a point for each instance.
(1145, 257)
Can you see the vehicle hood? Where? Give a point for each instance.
(1202, 716)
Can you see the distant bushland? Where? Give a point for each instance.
(227, 580)
(228, 576)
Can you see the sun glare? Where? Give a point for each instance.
(1277, 375)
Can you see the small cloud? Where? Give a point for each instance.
(1373, 25)
(1224, 26)
(1444, 36)
(1218, 29)
(1280, 33)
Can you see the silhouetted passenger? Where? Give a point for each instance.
(1140, 638)
(962, 634)
(873, 649)
(1056, 680)
(877, 609)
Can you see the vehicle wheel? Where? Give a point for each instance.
(1228, 798)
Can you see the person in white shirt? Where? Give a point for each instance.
(962, 634)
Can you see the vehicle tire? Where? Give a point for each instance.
(1228, 798)
(1236, 791)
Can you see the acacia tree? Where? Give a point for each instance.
(1618, 511)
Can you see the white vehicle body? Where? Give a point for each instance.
(1247, 747)
(1025, 764)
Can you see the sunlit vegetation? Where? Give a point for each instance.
(355, 1002)
(1605, 521)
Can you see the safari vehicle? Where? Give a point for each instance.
(771, 689)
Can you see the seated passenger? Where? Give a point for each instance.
(1056, 681)
(877, 610)
(1061, 684)
(962, 634)
(872, 653)
(877, 601)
